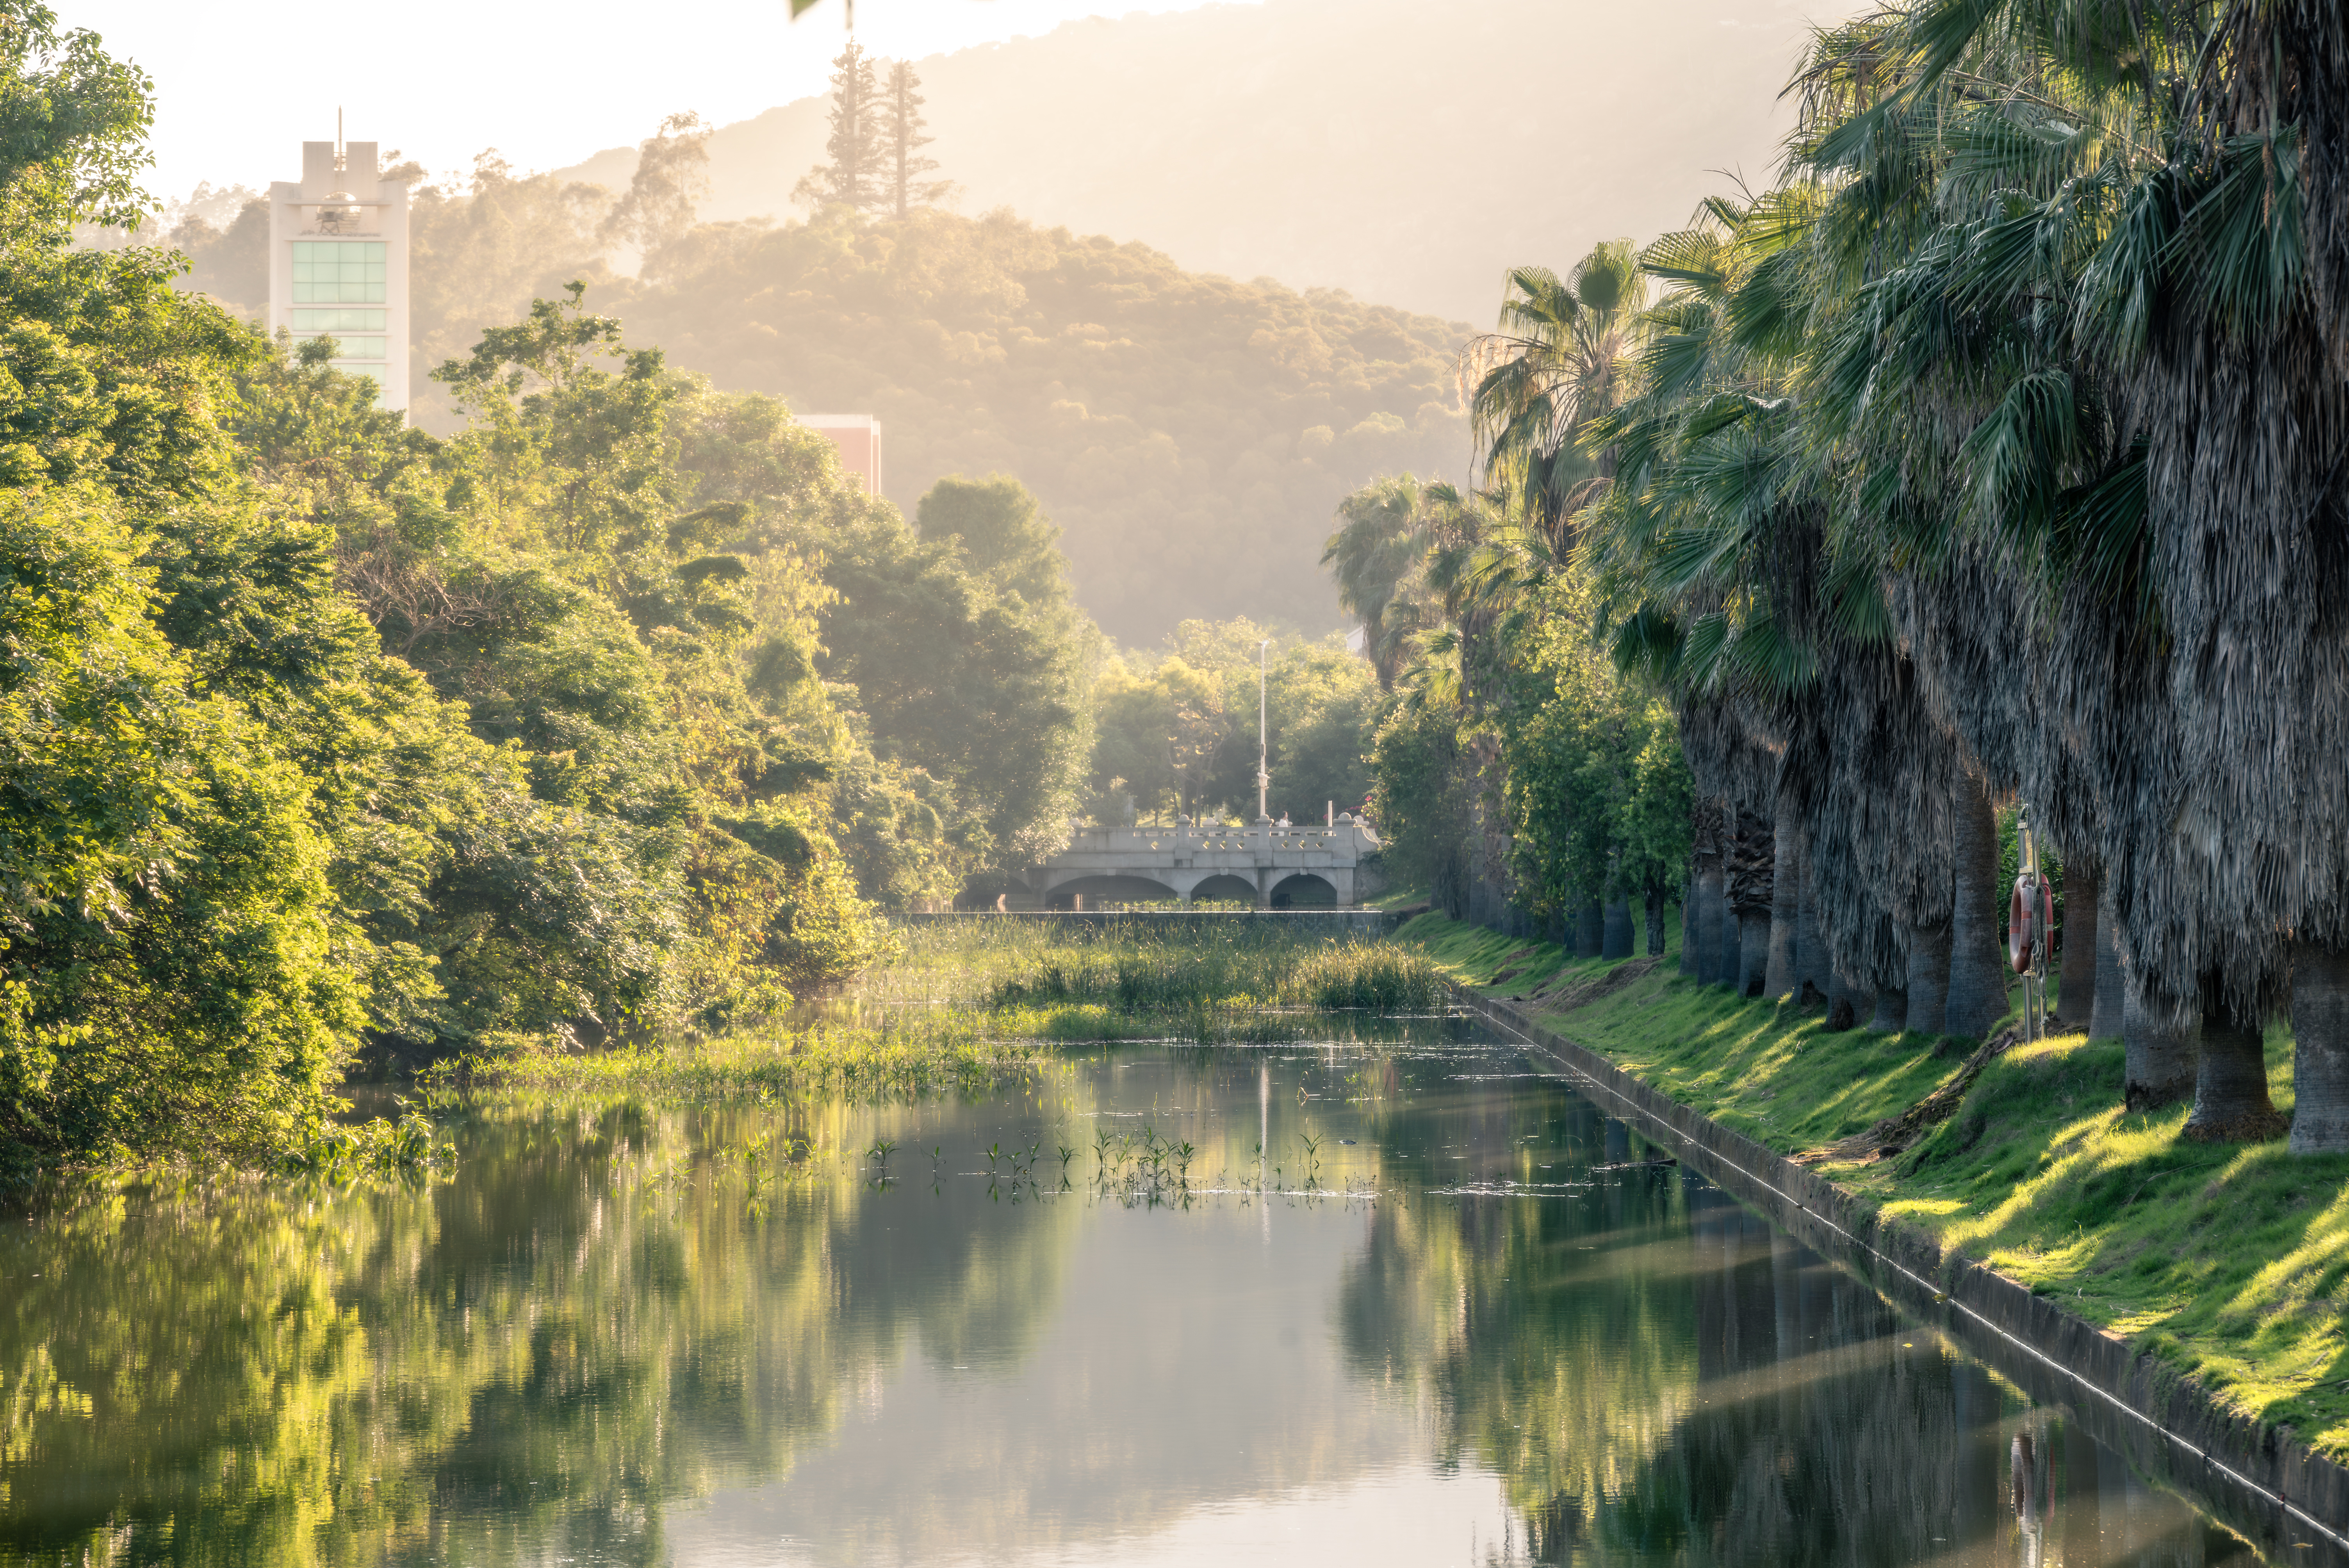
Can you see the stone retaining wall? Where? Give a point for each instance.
(2256, 1479)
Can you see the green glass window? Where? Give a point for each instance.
(339, 321)
(338, 272)
(347, 347)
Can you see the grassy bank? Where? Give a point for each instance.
(2227, 1262)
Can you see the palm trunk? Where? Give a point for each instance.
(2320, 1058)
(1655, 923)
(1779, 975)
(1928, 978)
(2076, 991)
(1728, 974)
(1811, 981)
(1692, 959)
(1843, 1003)
(1708, 924)
(1589, 927)
(2230, 1085)
(2110, 1015)
(1891, 1011)
(1977, 995)
(2159, 1045)
(1618, 941)
(1753, 933)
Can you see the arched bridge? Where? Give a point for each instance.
(1267, 865)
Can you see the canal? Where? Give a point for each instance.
(1379, 1295)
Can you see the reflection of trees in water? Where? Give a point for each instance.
(1556, 1338)
(593, 1317)
(1698, 1388)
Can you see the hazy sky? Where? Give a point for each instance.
(241, 88)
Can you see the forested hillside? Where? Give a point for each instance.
(1190, 435)
(1359, 144)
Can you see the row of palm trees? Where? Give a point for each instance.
(1995, 454)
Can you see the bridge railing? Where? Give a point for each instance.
(1354, 836)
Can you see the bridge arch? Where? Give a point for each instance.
(1303, 890)
(1224, 888)
(1115, 888)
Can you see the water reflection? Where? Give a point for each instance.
(1409, 1300)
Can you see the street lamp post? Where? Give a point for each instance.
(1263, 739)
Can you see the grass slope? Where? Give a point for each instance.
(2227, 1262)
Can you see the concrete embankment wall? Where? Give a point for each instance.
(2258, 1479)
(1331, 923)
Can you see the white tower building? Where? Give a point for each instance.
(338, 262)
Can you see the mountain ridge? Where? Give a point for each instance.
(1354, 146)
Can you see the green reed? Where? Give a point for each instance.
(920, 1053)
(1141, 967)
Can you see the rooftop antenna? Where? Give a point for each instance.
(339, 165)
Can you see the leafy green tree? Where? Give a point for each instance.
(230, 263)
(169, 976)
(1324, 703)
(1002, 534)
(73, 124)
(1179, 726)
(477, 257)
(671, 177)
(958, 676)
(1653, 827)
(1422, 801)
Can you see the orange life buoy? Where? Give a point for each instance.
(2028, 929)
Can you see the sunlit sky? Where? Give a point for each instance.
(239, 89)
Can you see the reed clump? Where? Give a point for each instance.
(915, 1054)
(1163, 979)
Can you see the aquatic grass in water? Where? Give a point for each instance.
(1142, 967)
(925, 1052)
(1166, 978)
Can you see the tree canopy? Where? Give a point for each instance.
(606, 713)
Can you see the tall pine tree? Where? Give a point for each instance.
(901, 140)
(856, 172)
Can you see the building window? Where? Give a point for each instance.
(338, 272)
(359, 347)
(338, 321)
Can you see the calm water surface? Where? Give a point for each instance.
(1403, 1301)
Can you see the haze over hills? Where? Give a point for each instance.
(1405, 153)
(1385, 161)
(1191, 435)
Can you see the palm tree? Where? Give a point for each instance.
(1558, 359)
(2125, 403)
(1376, 546)
(1713, 552)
